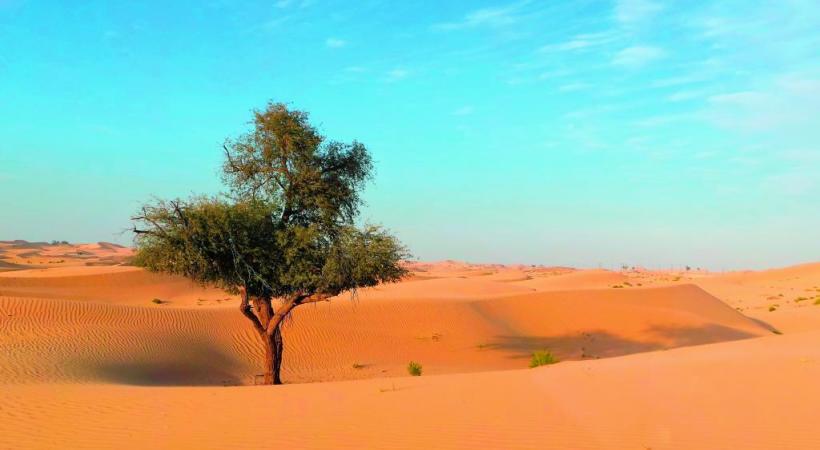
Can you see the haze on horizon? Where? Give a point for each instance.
(577, 133)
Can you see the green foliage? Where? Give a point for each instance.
(542, 358)
(286, 228)
(414, 369)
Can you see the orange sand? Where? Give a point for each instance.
(88, 361)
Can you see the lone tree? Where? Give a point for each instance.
(284, 234)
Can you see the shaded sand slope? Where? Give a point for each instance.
(50, 340)
(598, 323)
(750, 394)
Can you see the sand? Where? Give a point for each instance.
(648, 359)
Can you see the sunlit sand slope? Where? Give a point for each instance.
(751, 394)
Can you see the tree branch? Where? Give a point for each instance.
(245, 308)
(281, 314)
(315, 298)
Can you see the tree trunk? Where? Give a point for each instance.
(278, 351)
(274, 348)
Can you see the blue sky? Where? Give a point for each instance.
(580, 132)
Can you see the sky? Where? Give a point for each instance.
(583, 133)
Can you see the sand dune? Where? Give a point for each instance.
(63, 340)
(108, 284)
(89, 361)
(752, 394)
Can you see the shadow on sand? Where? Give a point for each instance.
(601, 344)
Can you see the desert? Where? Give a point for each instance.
(648, 359)
(424, 225)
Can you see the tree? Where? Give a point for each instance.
(284, 234)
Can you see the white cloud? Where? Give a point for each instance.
(332, 42)
(491, 17)
(633, 12)
(573, 87)
(682, 96)
(582, 41)
(637, 56)
(789, 104)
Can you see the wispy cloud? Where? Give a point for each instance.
(582, 42)
(573, 87)
(790, 103)
(633, 12)
(485, 17)
(638, 56)
(397, 74)
(332, 42)
(681, 96)
(676, 81)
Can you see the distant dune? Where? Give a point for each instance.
(88, 359)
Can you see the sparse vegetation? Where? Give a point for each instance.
(800, 299)
(414, 369)
(617, 286)
(358, 366)
(772, 308)
(157, 301)
(817, 302)
(542, 358)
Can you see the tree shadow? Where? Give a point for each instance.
(602, 344)
(193, 364)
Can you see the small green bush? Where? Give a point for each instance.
(542, 358)
(414, 369)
